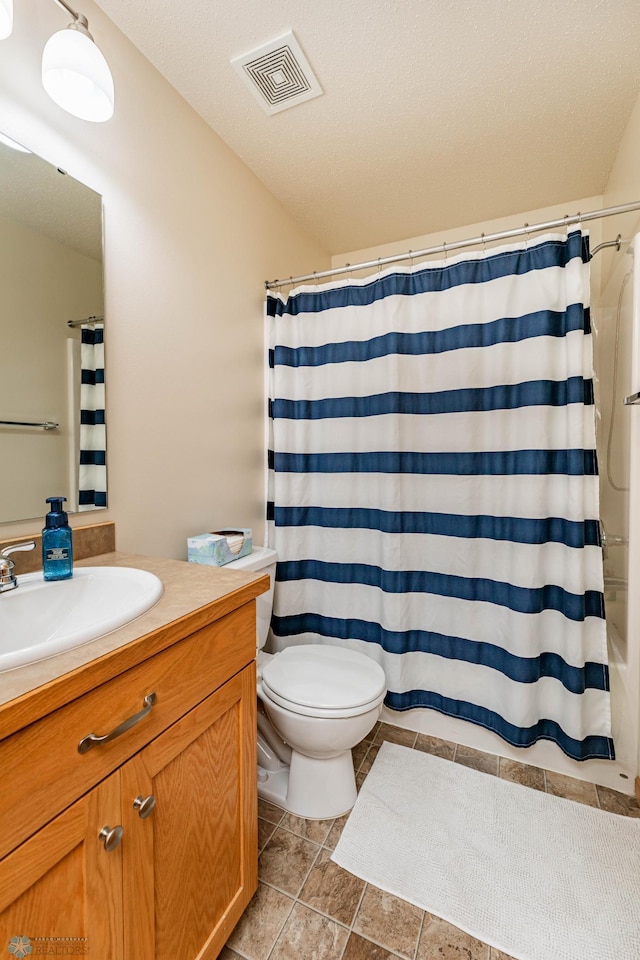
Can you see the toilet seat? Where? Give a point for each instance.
(317, 680)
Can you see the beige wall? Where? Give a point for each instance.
(541, 215)
(43, 285)
(191, 235)
(623, 186)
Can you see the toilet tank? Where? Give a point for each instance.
(261, 560)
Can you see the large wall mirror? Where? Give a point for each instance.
(52, 431)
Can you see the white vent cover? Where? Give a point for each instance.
(278, 74)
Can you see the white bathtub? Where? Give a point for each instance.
(618, 774)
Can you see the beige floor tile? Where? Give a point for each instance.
(387, 731)
(265, 832)
(360, 949)
(309, 936)
(446, 942)
(522, 773)
(434, 745)
(615, 802)
(368, 761)
(571, 789)
(336, 830)
(366, 764)
(477, 760)
(261, 923)
(228, 954)
(359, 752)
(269, 811)
(332, 890)
(389, 921)
(286, 861)
(314, 830)
(295, 859)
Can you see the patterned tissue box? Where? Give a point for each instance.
(220, 546)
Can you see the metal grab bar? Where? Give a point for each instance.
(617, 541)
(47, 424)
(616, 583)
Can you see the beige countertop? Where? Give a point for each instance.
(201, 593)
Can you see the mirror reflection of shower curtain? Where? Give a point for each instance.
(92, 473)
(434, 491)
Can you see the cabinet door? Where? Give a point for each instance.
(61, 891)
(190, 865)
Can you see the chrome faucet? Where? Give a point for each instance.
(7, 579)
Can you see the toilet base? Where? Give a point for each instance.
(313, 789)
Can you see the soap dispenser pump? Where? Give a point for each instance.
(57, 548)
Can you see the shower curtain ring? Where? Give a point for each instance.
(444, 250)
(484, 248)
(411, 258)
(526, 236)
(349, 272)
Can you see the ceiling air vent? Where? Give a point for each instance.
(278, 74)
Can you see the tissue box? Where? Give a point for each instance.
(217, 548)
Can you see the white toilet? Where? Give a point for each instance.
(315, 702)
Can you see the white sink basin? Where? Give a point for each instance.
(40, 619)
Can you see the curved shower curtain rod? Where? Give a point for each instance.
(445, 248)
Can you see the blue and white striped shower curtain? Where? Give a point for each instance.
(92, 471)
(434, 491)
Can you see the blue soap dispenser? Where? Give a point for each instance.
(57, 547)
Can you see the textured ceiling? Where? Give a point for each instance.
(434, 114)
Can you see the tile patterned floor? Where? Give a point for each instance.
(308, 908)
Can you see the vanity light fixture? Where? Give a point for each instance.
(6, 18)
(74, 72)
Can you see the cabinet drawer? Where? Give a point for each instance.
(180, 676)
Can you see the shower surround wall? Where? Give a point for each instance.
(617, 317)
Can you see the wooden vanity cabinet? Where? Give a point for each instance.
(158, 859)
(61, 889)
(191, 864)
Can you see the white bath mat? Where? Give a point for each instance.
(536, 876)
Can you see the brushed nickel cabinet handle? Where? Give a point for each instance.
(111, 837)
(144, 805)
(92, 739)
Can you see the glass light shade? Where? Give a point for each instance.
(6, 18)
(76, 75)
(10, 142)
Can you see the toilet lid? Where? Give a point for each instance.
(324, 677)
